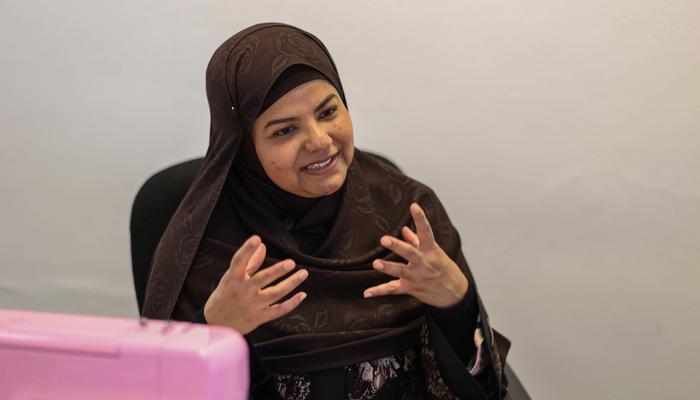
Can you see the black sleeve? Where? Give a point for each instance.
(199, 318)
(452, 339)
(258, 374)
(458, 324)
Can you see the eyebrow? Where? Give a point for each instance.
(290, 119)
(324, 102)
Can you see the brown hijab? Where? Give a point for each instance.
(335, 326)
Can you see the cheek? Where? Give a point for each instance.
(343, 129)
(347, 136)
(279, 162)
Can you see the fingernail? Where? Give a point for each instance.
(303, 274)
(302, 296)
(378, 265)
(367, 294)
(289, 266)
(255, 240)
(386, 241)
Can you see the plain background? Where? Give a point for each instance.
(562, 136)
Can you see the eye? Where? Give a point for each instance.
(328, 112)
(284, 131)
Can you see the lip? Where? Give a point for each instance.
(324, 170)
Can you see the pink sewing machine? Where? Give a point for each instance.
(70, 357)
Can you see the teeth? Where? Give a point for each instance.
(321, 164)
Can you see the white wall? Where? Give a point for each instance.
(563, 137)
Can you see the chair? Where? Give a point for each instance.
(156, 203)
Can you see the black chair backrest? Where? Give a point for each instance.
(153, 207)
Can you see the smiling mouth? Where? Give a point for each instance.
(320, 164)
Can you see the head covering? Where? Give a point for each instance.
(335, 326)
(290, 78)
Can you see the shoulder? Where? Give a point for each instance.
(393, 191)
(387, 182)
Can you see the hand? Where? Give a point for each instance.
(431, 275)
(243, 300)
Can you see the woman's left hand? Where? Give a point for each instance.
(431, 275)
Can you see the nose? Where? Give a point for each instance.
(318, 139)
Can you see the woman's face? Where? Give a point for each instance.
(304, 140)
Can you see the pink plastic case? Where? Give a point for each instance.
(60, 357)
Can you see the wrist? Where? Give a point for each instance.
(459, 291)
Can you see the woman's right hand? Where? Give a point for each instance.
(243, 300)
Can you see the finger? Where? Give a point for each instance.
(391, 287)
(395, 269)
(273, 294)
(256, 260)
(398, 246)
(423, 229)
(410, 236)
(277, 310)
(241, 257)
(271, 274)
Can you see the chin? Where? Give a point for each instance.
(332, 186)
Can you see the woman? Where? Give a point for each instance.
(345, 276)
